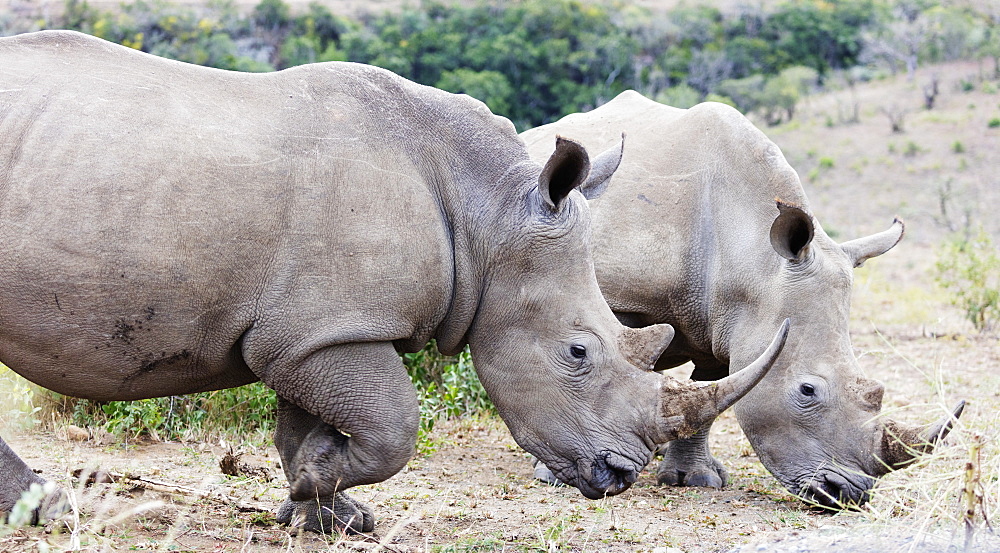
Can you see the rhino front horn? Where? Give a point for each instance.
(688, 407)
(902, 444)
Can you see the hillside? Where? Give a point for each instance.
(940, 175)
(353, 8)
(876, 174)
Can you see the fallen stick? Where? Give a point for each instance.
(166, 487)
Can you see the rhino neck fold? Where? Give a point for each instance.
(474, 215)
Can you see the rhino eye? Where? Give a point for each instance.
(578, 351)
(807, 390)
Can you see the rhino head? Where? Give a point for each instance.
(815, 424)
(574, 385)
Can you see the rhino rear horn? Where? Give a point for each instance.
(565, 170)
(688, 408)
(863, 249)
(643, 346)
(901, 445)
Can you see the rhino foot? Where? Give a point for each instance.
(40, 503)
(343, 514)
(675, 472)
(688, 462)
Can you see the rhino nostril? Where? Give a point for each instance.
(830, 493)
(620, 474)
(820, 495)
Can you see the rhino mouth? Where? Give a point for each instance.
(831, 490)
(608, 474)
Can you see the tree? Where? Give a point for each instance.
(818, 34)
(491, 87)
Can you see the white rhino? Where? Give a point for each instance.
(690, 234)
(170, 229)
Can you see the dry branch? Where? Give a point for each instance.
(166, 487)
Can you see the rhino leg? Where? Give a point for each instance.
(353, 421)
(687, 462)
(15, 478)
(297, 429)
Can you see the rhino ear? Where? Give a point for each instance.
(791, 232)
(564, 171)
(863, 249)
(601, 170)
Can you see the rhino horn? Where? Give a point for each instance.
(643, 346)
(688, 407)
(901, 444)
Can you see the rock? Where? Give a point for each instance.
(73, 433)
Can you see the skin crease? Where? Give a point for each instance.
(706, 227)
(170, 229)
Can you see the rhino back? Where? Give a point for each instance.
(164, 225)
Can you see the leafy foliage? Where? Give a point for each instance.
(969, 268)
(17, 399)
(534, 61)
(236, 411)
(447, 387)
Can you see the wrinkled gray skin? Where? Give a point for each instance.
(170, 229)
(690, 234)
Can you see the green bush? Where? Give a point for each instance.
(680, 96)
(17, 400)
(491, 87)
(994, 123)
(531, 61)
(912, 149)
(969, 268)
(235, 411)
(447, 387)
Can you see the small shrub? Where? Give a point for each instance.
(680, 96)
(17, 400)
(447, 387)
(994, 123)
(958, 147)
(912, 149)
(969, 268)
(826, 163)
(234, 411)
